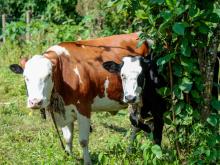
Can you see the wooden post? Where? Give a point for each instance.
(28, 20)
(3, 25)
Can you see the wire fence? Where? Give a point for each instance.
(7, 19)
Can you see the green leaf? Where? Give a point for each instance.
(216, 104)
(212, 120)
(179, 27)
(178, 107)
(186, 85)
(204, 29)
(180, 10)
(167, 121)
(156, 1)
(141, 14)
(178, 71)
(195, 94)
(140, 43)
(193, 11)
(171, 4)
(187, 120)
(178, 93)
(165, 59)
(186, 62)
(166, 15)
(112, 3)
(185, 49)
(157, 151)
(164, 91)
(213, 17)
(164, 26)
(189, 109)
(100, 157)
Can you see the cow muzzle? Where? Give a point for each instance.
(130, 99)
(35, 103)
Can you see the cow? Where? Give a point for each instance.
(140, 81)
(69, 80)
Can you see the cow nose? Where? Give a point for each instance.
(35, 103)
(130, 98)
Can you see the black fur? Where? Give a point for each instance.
(16, 68)
(153, 103)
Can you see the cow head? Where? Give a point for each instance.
(37, 73)
(134, 71)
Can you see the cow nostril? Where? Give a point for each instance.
(35, 102)
(130, 98)
(40, 102)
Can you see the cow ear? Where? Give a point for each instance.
(146, 59)
(23, 62)
(112, 67)
(145, 63)
(16, 68)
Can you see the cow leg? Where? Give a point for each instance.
(158, 129)
(68, 136)
(134, 131)
(84, 129)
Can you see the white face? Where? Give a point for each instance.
(38, 78)
(130, 71)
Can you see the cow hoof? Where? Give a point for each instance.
(68, 152)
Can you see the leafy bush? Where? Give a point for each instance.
(186, 35)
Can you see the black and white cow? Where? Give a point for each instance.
(140, 80)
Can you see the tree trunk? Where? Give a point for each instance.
(207, 59)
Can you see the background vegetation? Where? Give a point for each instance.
(186, 35)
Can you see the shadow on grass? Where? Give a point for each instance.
(115, 128)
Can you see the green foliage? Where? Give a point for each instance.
(179, 29)
(56, 11)
(142, 151)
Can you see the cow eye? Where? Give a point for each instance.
(26, 79)
(48, 76)
(123, 76)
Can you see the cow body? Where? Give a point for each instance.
(69, 79)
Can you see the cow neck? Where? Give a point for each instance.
(56, 69)
(56, 101)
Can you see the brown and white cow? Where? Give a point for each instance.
(71, 75)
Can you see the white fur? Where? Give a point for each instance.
(77, 73)
(84, 128)
(37, 74)
(59, 50)
(68, 136)
(129, 75)
(106, 84)
(106, 104)
(67, 123)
